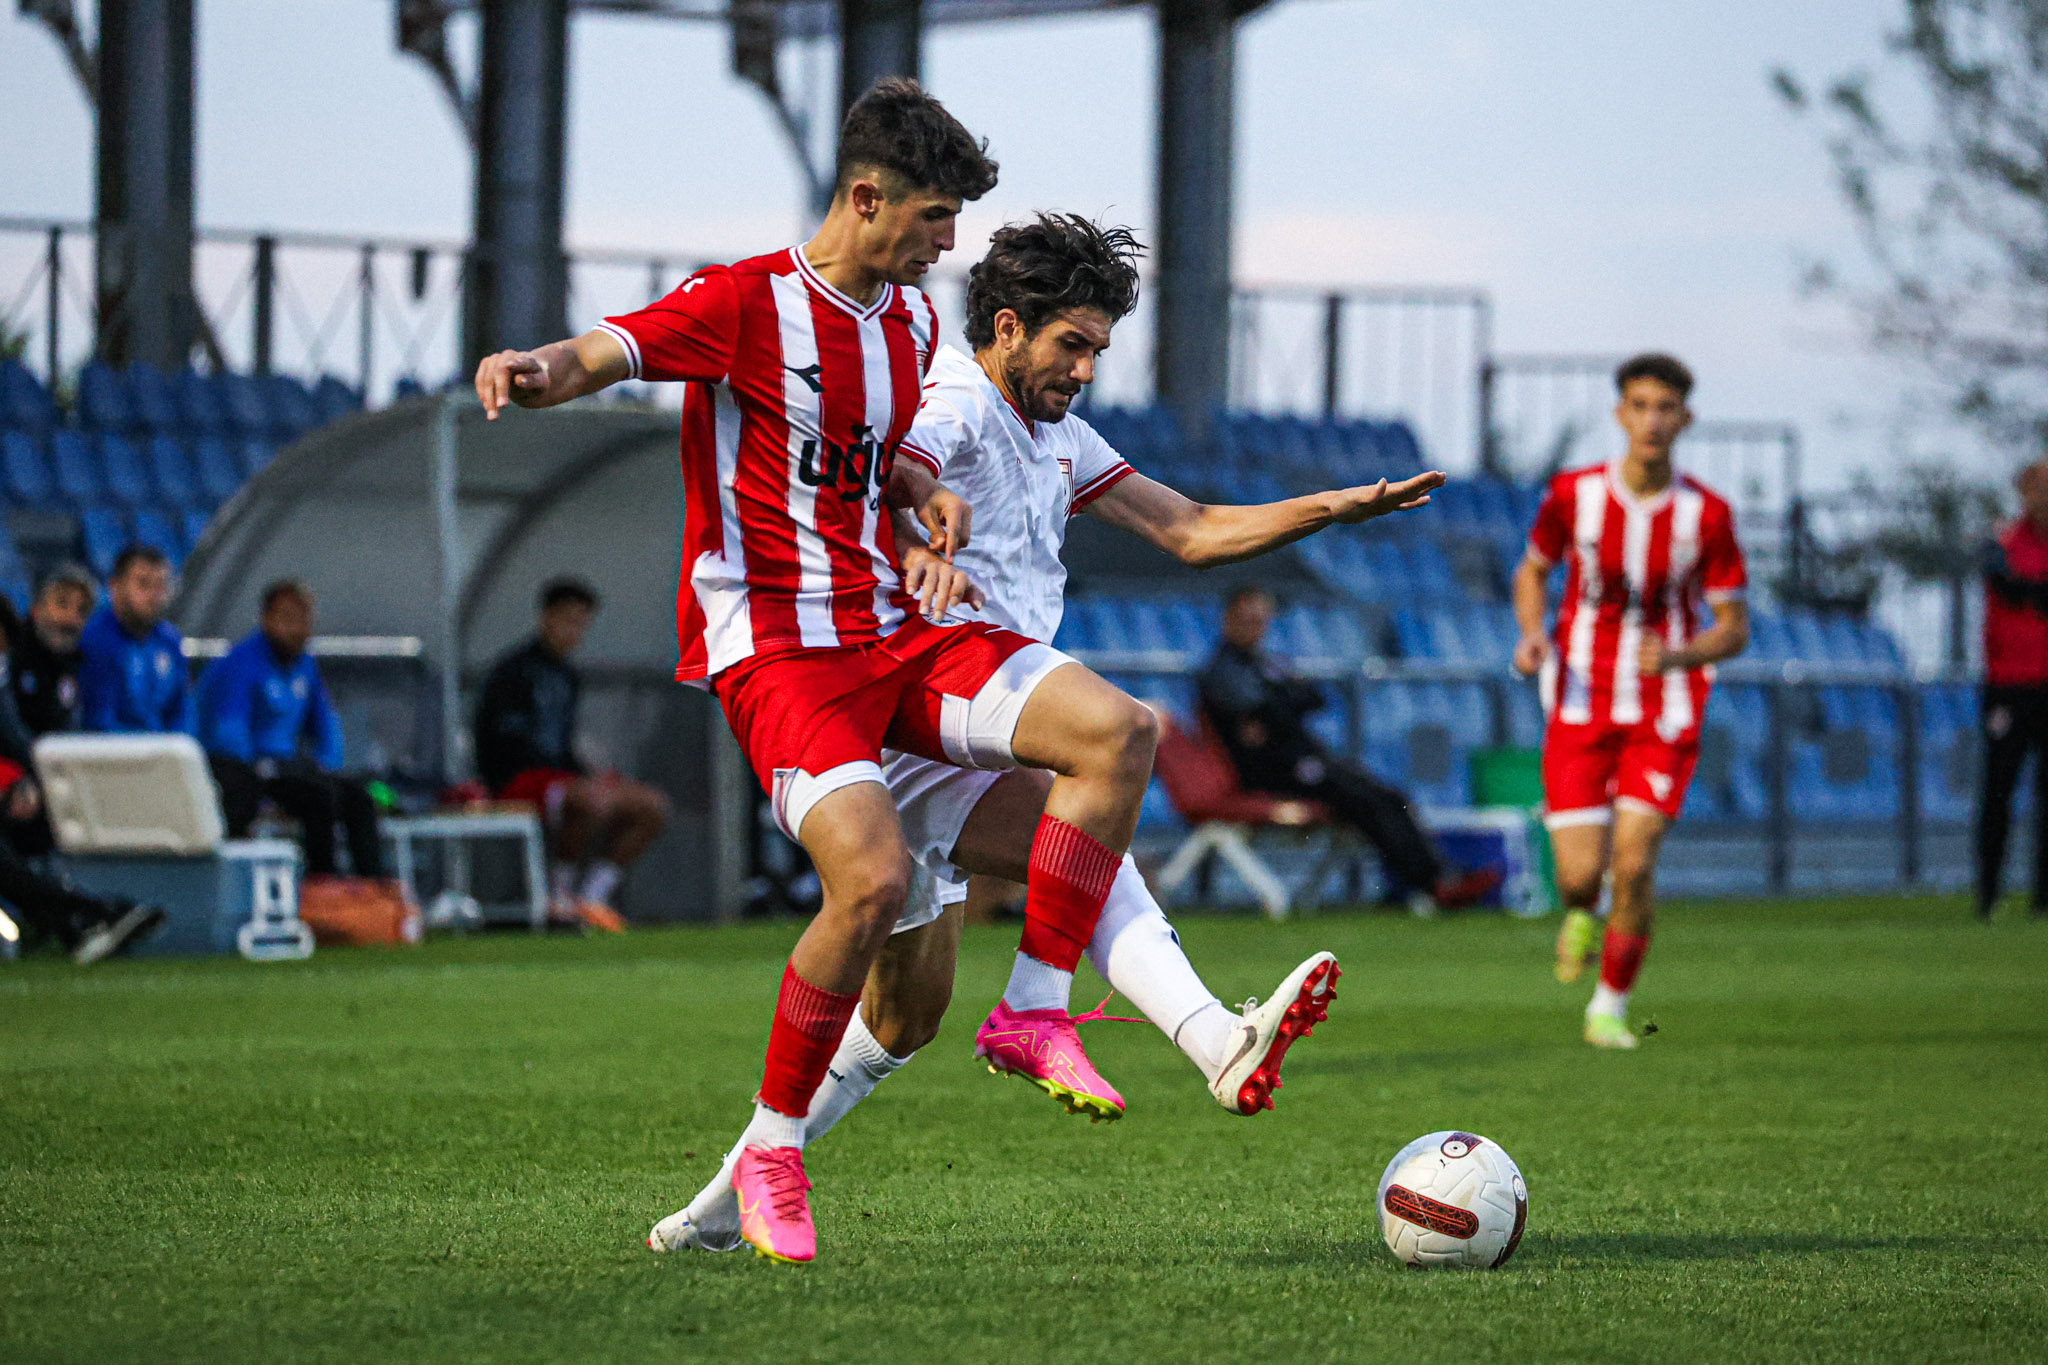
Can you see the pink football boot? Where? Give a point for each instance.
(1043, 1048)
(774, 1215)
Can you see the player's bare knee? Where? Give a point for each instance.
(873, 896)
(1578, 888)
(1127, 740)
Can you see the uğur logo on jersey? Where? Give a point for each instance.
(856, 470)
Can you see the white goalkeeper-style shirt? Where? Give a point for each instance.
(1024, 480)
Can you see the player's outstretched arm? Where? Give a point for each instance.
(1205, 536)
(553, 374)
(1530, 594)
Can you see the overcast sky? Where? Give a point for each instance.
(1617, 175)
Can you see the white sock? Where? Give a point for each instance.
(857, 1068)
(1607, 1000)
(1036, 985)
(562, 881)
(716, 1209)
(1137, 952)
(600, 881)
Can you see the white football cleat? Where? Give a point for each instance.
(1248, 1079)
(715, 1226)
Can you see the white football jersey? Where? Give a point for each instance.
(1023, 480)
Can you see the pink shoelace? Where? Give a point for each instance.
(1096, 1015)
(786, 1182)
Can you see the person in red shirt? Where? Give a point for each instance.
(823, 640)
(2015, 709)
(1625, 670)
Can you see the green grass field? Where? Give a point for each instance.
(1832, 1148)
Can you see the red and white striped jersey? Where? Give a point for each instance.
(1632, 567)
(797, 398)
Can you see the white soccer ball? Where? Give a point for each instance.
(1455, 1200)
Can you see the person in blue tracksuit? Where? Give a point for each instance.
(131, 674)
(270, 731)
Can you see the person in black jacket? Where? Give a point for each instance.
(1258, 712)
(44, 660)
(88, 927)
(526, 751)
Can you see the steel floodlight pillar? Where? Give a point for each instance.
(144, 206)
(516, 289)
(877, 38)
(1197, 116)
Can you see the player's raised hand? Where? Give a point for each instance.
(1376, 500)
(938, 586)
(948, 520)
(1530, 653)
(502, 377)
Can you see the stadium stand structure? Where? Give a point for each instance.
(139, 455)
(1408, 622)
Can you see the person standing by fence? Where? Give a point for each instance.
(2015, 710)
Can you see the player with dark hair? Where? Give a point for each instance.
(598, 823)
(814, 624)
(1626, 671)
(131, 674)
(271, 732)
(43, 665)
(995, 425)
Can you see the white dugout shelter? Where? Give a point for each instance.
(425, 520)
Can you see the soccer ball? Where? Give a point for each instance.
(1453, 1199)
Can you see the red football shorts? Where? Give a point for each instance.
(1590, 769)
(812, 721)
(543, 787)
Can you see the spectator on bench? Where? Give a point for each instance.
(1257, 710)
(526, 751)
(270, 731)
(88, 927)
(45, 658)
(131, 674)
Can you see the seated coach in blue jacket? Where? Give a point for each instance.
(131, 671)
(269, 730)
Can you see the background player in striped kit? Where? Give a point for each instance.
(1627, 669)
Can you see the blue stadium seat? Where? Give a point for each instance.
(1073, 631)
(293, 411)
(1949, 753)
(158, 531)
(78, 482)
(205, 413)
(155, 398)
(24, 471)
(1525, 717)
(24, 403)
(255, 456)
(103, 534)
(243, 405)
(194, 529)
(170, 469)
(104, 400)
(121, 471)
(334, 400)
(219, 474)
